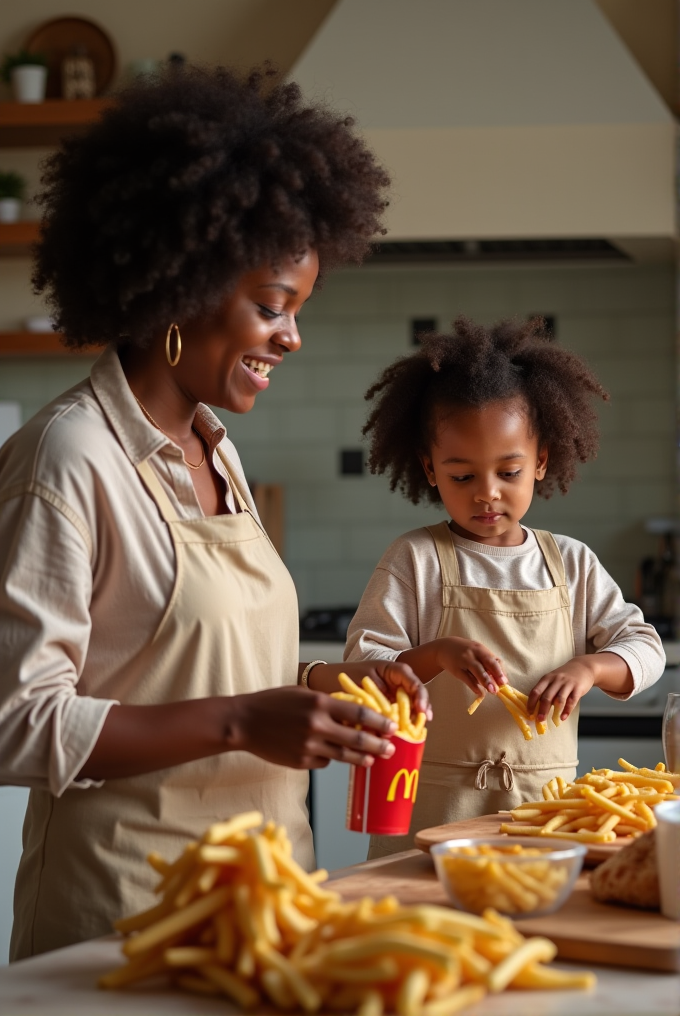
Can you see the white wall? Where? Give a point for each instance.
(622, 318)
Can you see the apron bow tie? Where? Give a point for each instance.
(508, 775)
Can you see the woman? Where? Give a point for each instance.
(148, 630)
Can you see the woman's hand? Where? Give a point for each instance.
(387, 674)
(564, 686)
(305, 729)
(471, 662)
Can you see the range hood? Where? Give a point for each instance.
(502, 119)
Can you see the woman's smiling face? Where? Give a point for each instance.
(227, 357)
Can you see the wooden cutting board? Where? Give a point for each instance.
(489, 825)
(582, 929)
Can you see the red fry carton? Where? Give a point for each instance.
(380, 799)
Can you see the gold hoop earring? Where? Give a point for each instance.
(173, 360)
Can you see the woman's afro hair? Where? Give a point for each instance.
(187, 181)
(473, 367)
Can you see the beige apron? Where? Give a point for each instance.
(230, 627)
(481, 764)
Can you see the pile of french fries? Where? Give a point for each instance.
(486, 876)
(400, 711)
(600, 807)
(516, 703)
(238, 917)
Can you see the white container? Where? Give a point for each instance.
(29, 83)
(10, 209)
(667, 837)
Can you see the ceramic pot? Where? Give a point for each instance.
(29, 83)
(9, 209)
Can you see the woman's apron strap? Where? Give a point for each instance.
(155, 488)
(235, 485)
(553, 559)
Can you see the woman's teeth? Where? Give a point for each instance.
(258, 366)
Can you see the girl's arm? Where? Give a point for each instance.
(471, 662)
(569, 683)
(623, 654)
(399, 615)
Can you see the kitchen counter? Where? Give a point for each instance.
(63, 983)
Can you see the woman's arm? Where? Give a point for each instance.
(288, 726)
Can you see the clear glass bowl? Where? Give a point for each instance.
(516, 884)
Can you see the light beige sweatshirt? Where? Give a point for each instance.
(402, 604)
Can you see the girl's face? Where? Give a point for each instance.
(485, 462)
(226, 357)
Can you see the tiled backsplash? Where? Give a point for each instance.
(621, 318)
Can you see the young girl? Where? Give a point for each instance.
(478, 421)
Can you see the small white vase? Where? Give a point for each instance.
(29, 83)
(9, 209)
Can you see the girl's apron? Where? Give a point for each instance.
(481, 764)
(230, 628)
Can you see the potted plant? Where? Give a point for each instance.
(12, 188)
(27, 75)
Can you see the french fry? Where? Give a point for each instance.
(371, 696)
(372, 688)
(476, 704)
(269, 930)
(517, 717)
(535, 950)
(602, 803)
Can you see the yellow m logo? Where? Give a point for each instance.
(410, 782)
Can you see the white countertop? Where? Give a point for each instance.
(63, 983)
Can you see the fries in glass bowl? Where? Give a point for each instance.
(518, 878)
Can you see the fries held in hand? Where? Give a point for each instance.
(516, 703)
(253, 926)
(600, 807)
(368, 694)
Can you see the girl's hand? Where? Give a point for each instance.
(562, 688)
(472, 663)
(388, 676)
(305, 729)
(565, 685)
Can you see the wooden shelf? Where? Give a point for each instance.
(37, 344)
(16, 238)
(24, 124)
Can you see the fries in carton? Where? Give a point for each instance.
(239, 918)
(380, 799)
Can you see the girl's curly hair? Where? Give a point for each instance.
(472, 367)
(187, 181)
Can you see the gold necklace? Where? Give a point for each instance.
(151, 420)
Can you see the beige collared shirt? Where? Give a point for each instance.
(86, 566)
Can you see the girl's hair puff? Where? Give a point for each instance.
(472, 367)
